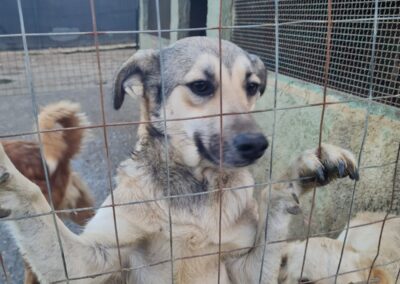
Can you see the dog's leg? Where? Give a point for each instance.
(313, 168)
(246, 269)
(306, 172)
(37, 239)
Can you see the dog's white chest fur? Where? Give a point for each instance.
(143, 209)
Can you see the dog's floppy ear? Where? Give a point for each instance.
(133, 76)
(260, 70)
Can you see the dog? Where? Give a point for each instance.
(360, 249)
(313, 168)
(365, 238)
(68, 191)
(177, 172)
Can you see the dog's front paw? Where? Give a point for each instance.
(318, 168)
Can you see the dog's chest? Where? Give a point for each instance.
(194, 212)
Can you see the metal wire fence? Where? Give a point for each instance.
(302, 36)
(351, 46)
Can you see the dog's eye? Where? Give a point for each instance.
(252, 88)
(201, 88)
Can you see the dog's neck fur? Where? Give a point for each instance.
(150, 153)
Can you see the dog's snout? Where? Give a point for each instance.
(251, 146)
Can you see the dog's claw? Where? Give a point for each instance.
(4, 213)
(296, 198)
(354, 175)
(357, 175)
(4, 175)
(319, 170)
(341, 169)
(320, 175)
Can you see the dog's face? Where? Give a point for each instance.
(321, 263)
(193, 83)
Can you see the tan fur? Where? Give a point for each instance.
(365, 238)
(62, 145)
(323, 254)
(382, 276)
(183, 104)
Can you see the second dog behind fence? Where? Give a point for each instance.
(68, 191)
(361, 248)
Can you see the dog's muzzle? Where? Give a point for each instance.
(241, 150)
(250, 146)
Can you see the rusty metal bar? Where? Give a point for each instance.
(326, 78)
(371, 76)
(167, 157)
(103, 117)
(32, 93)
(221, 141)
(387, 213)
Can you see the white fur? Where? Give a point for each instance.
(323, 253)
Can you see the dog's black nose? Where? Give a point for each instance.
(250, 146)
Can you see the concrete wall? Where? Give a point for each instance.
(297, 129)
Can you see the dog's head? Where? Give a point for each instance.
(190, 86)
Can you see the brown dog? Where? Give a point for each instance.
(68, 191)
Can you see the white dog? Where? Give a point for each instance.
(361, 248)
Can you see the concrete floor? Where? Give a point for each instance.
(16, 117)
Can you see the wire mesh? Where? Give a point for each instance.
(162, 68)
(102, 108)
(302, 36)
(348, 46)
(31, 89)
